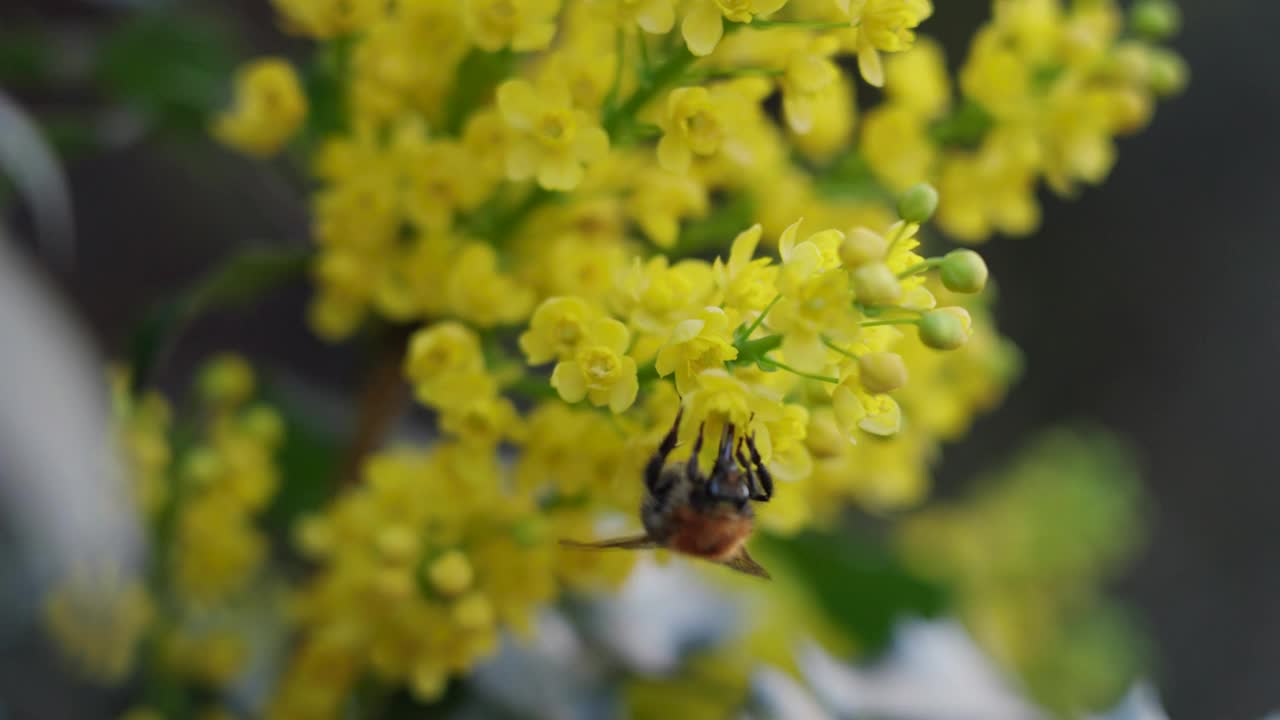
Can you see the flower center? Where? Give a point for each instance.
(556, 128)
(600, 364)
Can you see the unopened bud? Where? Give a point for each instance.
(862, 246)
(1167, 72)
(963, 271)
(227, 380)
(875, 284)
(451, 574)
(1156, 19)
(918, 203)
(882, 372)
(945, 328)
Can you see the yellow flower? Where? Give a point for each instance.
(477, 292)
(97, 616)
(746, 283)
(896, 144)
(661, 199)
(881, 25)
(269, 108)
(600, 369)
(656, 17)
(653, 296)
(446, 366)
(703, 25)
(557, 328)
(485, 421)
(523, 25)
(693, 125)
(857, 408)
(551, 139)
(439, 182)
(327, 18)
(810, 77)
(697, 344)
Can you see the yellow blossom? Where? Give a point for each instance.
(479, 293)
(661, 200)
(600, 369)
(446, 366)
(810, 76)
(746, 283)
(703, 24)
(693, 125)
(699, 343)
(269, 108)
(551, 140)
(557, 328)
(522, 25)
(656, 17)
(881, 25)
(97, 617)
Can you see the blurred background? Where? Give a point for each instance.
(1147, 306)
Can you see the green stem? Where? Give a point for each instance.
(662, 76)
(746, 334)
(645, 67)
(920, 267)
(801, 373)
(827, 341)
(889, 321)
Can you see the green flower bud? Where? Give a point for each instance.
(882, 372)
(875, 284)
(1156, 19)
(862, 246)
(226, 380)
(963, 271)
(918, 203)
(945, 328)
(1166, 72)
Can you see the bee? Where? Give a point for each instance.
(706, 516)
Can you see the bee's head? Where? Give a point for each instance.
(728, 486)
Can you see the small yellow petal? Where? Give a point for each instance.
(702, 28)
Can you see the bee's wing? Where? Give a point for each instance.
(744, 563)
(635, 542)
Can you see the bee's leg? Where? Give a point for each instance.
(693, 472)
(766, 480)
(653, 471)
(753, 482)
(724, 459)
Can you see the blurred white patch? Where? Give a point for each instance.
(1140, 703)
(28, 161)
(61, 487)
(661, 613)
(775, 695)
(933, 672)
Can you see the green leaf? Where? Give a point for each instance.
(858, 582)
(477, 76)
(306, 459)
(242, 278)
(173, 68)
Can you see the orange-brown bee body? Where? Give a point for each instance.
(709, 517)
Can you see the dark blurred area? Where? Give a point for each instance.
(1146, 305)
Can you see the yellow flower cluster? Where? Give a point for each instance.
(1025, 555)
(1045, 89)
(437, 557)
(586, 213)
(200, 499)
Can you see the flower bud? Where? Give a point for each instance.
(945, 328)
(875, 284)
(963, 271)
(1156, 19)
(1166, 72)
(450, 574)
(882, 372)
(918, 203)
(862, 246)
(227, 380)
(473, 612)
